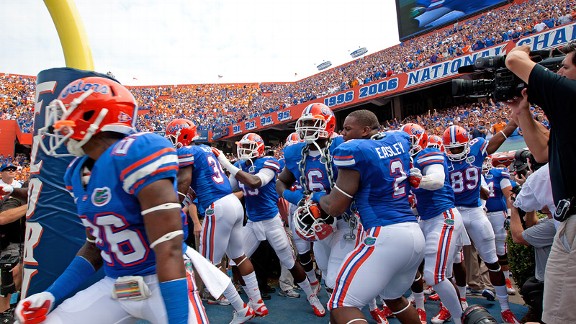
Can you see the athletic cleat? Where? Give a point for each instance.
(316, 306)
(378, 315)
(443, 316)
(508, 317)
(220, 301)
(429, 291)
(387, 311)
(290, 293)
(488, 294)
(463, 303)
(411, 299)
(243, 316)
(509, 288)
(434, 297)
(473, 292)
(260, 309)
(422, 315)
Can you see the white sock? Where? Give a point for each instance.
(502, 295)
(251, 287)
(462, 291)
(372, 304)
(233, 297)
(305, 285)
(450, 299)
(419, 299)
(311, 276)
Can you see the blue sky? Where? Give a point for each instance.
(147, 42)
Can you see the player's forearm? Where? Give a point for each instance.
(500, 137)
(248, 179)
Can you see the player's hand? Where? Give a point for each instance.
(296, 197)
(415, 177)
(6, 189)
(315, 197)
(35, 308)
(412, 201)
(222, 158)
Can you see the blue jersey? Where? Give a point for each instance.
(282, 162)
(466, 175)
(496, 200)
(208, 179)
(432, 203)
(382, 197)
(261, 203)
(109, 207)
(316, 175)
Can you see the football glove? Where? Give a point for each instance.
(415, 177)
(35, 308)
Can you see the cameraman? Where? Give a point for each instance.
(536, 194)
(12, 224)
(556, 95)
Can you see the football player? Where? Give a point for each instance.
(310, 165)
(124, 185)
(224, 216)
(372, 173)
(499, 189)
(440, 221)
(465, 166)
(255, 174)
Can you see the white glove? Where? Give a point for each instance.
(224, 162)
(415, 177)
(6, 189)
(35, 308)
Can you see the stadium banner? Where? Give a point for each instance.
(202, 136)
(54, 232)
(550, 38)
(380, 88)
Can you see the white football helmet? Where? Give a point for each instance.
(311, 223)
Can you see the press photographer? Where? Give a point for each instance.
(527, 229)
(555, 93)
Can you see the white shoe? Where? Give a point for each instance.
(243, 316)
(316, 306)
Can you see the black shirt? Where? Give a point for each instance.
(556, 95)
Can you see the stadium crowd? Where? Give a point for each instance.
(217, 105)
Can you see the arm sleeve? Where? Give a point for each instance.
(433, 178)
(505, 183)
(266, 175)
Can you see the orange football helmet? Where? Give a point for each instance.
(311, 223)
(317, 121)
(250, 146)
(84, 108)
(456, 142)
(181, 132)
(418, 137)
(436, 141)
(293, 138)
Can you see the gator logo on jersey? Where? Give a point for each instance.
(369, 241)
(488, 176)
(209, 212)
(470, 159)
(449, 221)
(101, 196)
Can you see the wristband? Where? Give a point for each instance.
(175, 296)
(75, 274)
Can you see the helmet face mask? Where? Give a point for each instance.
(316, 122)
(487, 165)
(311, 224)
(84, 108)
(181, 132)
(456, 143)
(251, 146)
